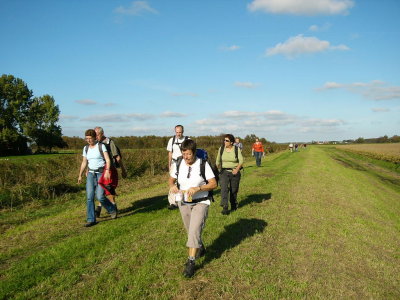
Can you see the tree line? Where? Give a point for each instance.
(25, 119)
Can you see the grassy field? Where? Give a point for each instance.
(387, 152)
(319, 223)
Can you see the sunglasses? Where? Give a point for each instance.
(190, 170)
(228, 141)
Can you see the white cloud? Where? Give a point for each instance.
(170, 114)
(299, 44)
(118, 118)
(302, 7)
(136, 8)
(86, 102)
(380, 109)
(248, 85)
(317, 28)
(375, 90)
(230, 48)
(110, 104)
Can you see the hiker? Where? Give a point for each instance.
(174, 151)
(291, 147)
(257, 150)
(192, 193)
(96, 157)
(230, 161)
(116, 162)
(238, 143)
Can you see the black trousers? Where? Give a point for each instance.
(229, 187)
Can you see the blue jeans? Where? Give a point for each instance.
(92, 187)
(258, 156)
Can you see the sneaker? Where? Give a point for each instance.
(114, 214)
(225, 211)
(90, 224)
(98, 211)
(189, 268)
(201, 252)
(172, 206)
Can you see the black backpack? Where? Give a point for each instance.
(203, 156)
(113, 160)
(179, 144)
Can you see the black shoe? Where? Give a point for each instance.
(233, 207)
(172, 206)
(225, 211)
(90, 224)
(189, 268)
(98, 211)
(201, 252)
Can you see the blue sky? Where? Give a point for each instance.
(294, 70)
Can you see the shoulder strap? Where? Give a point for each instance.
(101, 150)
(86, 149)
(186, 137)
(203, 169)
(236, 153)
(221, 151)
(173, 141)
(178, 164)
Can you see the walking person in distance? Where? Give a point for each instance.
(230, 162)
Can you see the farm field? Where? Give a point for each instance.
(319, 223)
(388, 152)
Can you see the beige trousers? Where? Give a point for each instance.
(194, 218)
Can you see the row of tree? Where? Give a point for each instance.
(382, 139)
(26, 119)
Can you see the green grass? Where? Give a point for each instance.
(319, 223)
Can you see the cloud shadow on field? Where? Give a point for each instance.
(232, 236)
(257, 198)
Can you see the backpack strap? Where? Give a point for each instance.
(178, 164)
(237, 153)
(100, 150)
(173, 142)
(221, 151)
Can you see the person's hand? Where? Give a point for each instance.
(173, 189)
(192, 191)
(107, 175)
(234, 171)
(79, 179)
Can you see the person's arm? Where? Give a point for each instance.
(172, 186)
(169, 160)
(107, 167)
(212, 184)
(83, 167)
(218, 160)
(240, 164)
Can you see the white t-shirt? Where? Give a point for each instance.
(176, 146)
(195, 179)
(94, 157)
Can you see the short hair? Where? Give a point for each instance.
(99, 129)
(90, 132)
(230, 137)
(189, 145)
(181, 126)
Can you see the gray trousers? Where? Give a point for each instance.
(194, 218)
(229, 187)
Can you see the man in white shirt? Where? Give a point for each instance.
(174, 150)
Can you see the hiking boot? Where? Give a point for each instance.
(172, 206)
(201, 252)
(233, 206)
(114, 214)
(225, 211)
(189, 268)
(90, 224)
(98, 211)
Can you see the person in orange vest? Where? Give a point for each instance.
(257, 150)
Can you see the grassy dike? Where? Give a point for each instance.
(314, 224)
